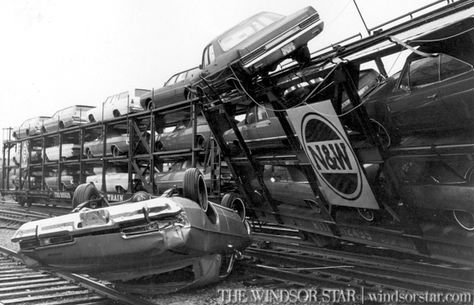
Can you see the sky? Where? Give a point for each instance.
(59, 53)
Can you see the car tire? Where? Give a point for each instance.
(200, 142)
(158, 146)
(84, 192)
(89, 154)
(464, 219)
(234, 201)
(194, 187)
(61, 125)
(150, 106)
(227, 264)
(91, 118)
(140, 196)
(116, 113)
(115, 151)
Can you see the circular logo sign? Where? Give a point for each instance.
(331, 156)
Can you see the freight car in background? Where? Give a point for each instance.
(119, 155)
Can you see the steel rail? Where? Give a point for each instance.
(102, 291)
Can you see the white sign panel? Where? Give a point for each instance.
(342, 180)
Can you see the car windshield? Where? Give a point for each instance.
(246, 29)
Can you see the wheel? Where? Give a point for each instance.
(140, 196)
(200, 142)
(150, 105)
(116, 113)
(367, 214)
(91, 118)
(115, 151)
(227, 264)
(194, 187)
(158, 146)
(61, 125)
(85, 192)
(89, 154)
(464, 219)
(469, 176)
(21, 201)
(382, 133)
(234, 202)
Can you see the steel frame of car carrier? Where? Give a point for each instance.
(141, 158)
(402, 226)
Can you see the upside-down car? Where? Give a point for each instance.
(142, 237)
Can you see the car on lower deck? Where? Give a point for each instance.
(432, 95)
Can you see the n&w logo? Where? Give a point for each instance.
(331, 156)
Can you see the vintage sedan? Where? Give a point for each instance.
(67, 117)
(136, 239)
(69, 181)
(117, 105)
(261, 127)
(258, 44)
(117, 144)
(116, 180)
(181, 137)
(432, 94)
(29, 127)
(175, 89)
(68, 151)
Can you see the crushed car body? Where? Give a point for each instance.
(136, 239)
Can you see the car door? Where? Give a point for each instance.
(166, 94)
(249, 129)
(414, 104)
(457, 92)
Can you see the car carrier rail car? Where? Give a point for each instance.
(343, 167)
(352, 168)
(120, 156)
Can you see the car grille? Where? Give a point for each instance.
(310, 20)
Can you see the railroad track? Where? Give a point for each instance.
(22, 285)
(287, 259)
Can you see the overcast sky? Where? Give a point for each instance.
(60, 53)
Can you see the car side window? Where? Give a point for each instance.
(172, 80)
(251, 118)
(451, 66)
(280, 173)
(261, 114)
(424, 71)
(181, 77)
(208, 56)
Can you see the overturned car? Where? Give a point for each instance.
(141, 237)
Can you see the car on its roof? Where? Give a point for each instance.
(175, 89)
(29, 127)
(258, 44)
(117, 105)
(135, 239)
(67, 117)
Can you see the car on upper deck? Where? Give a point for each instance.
(257, 45)
(29, 127)
(116, 144)
(67, 117)
(175, 89)
(117, 105)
